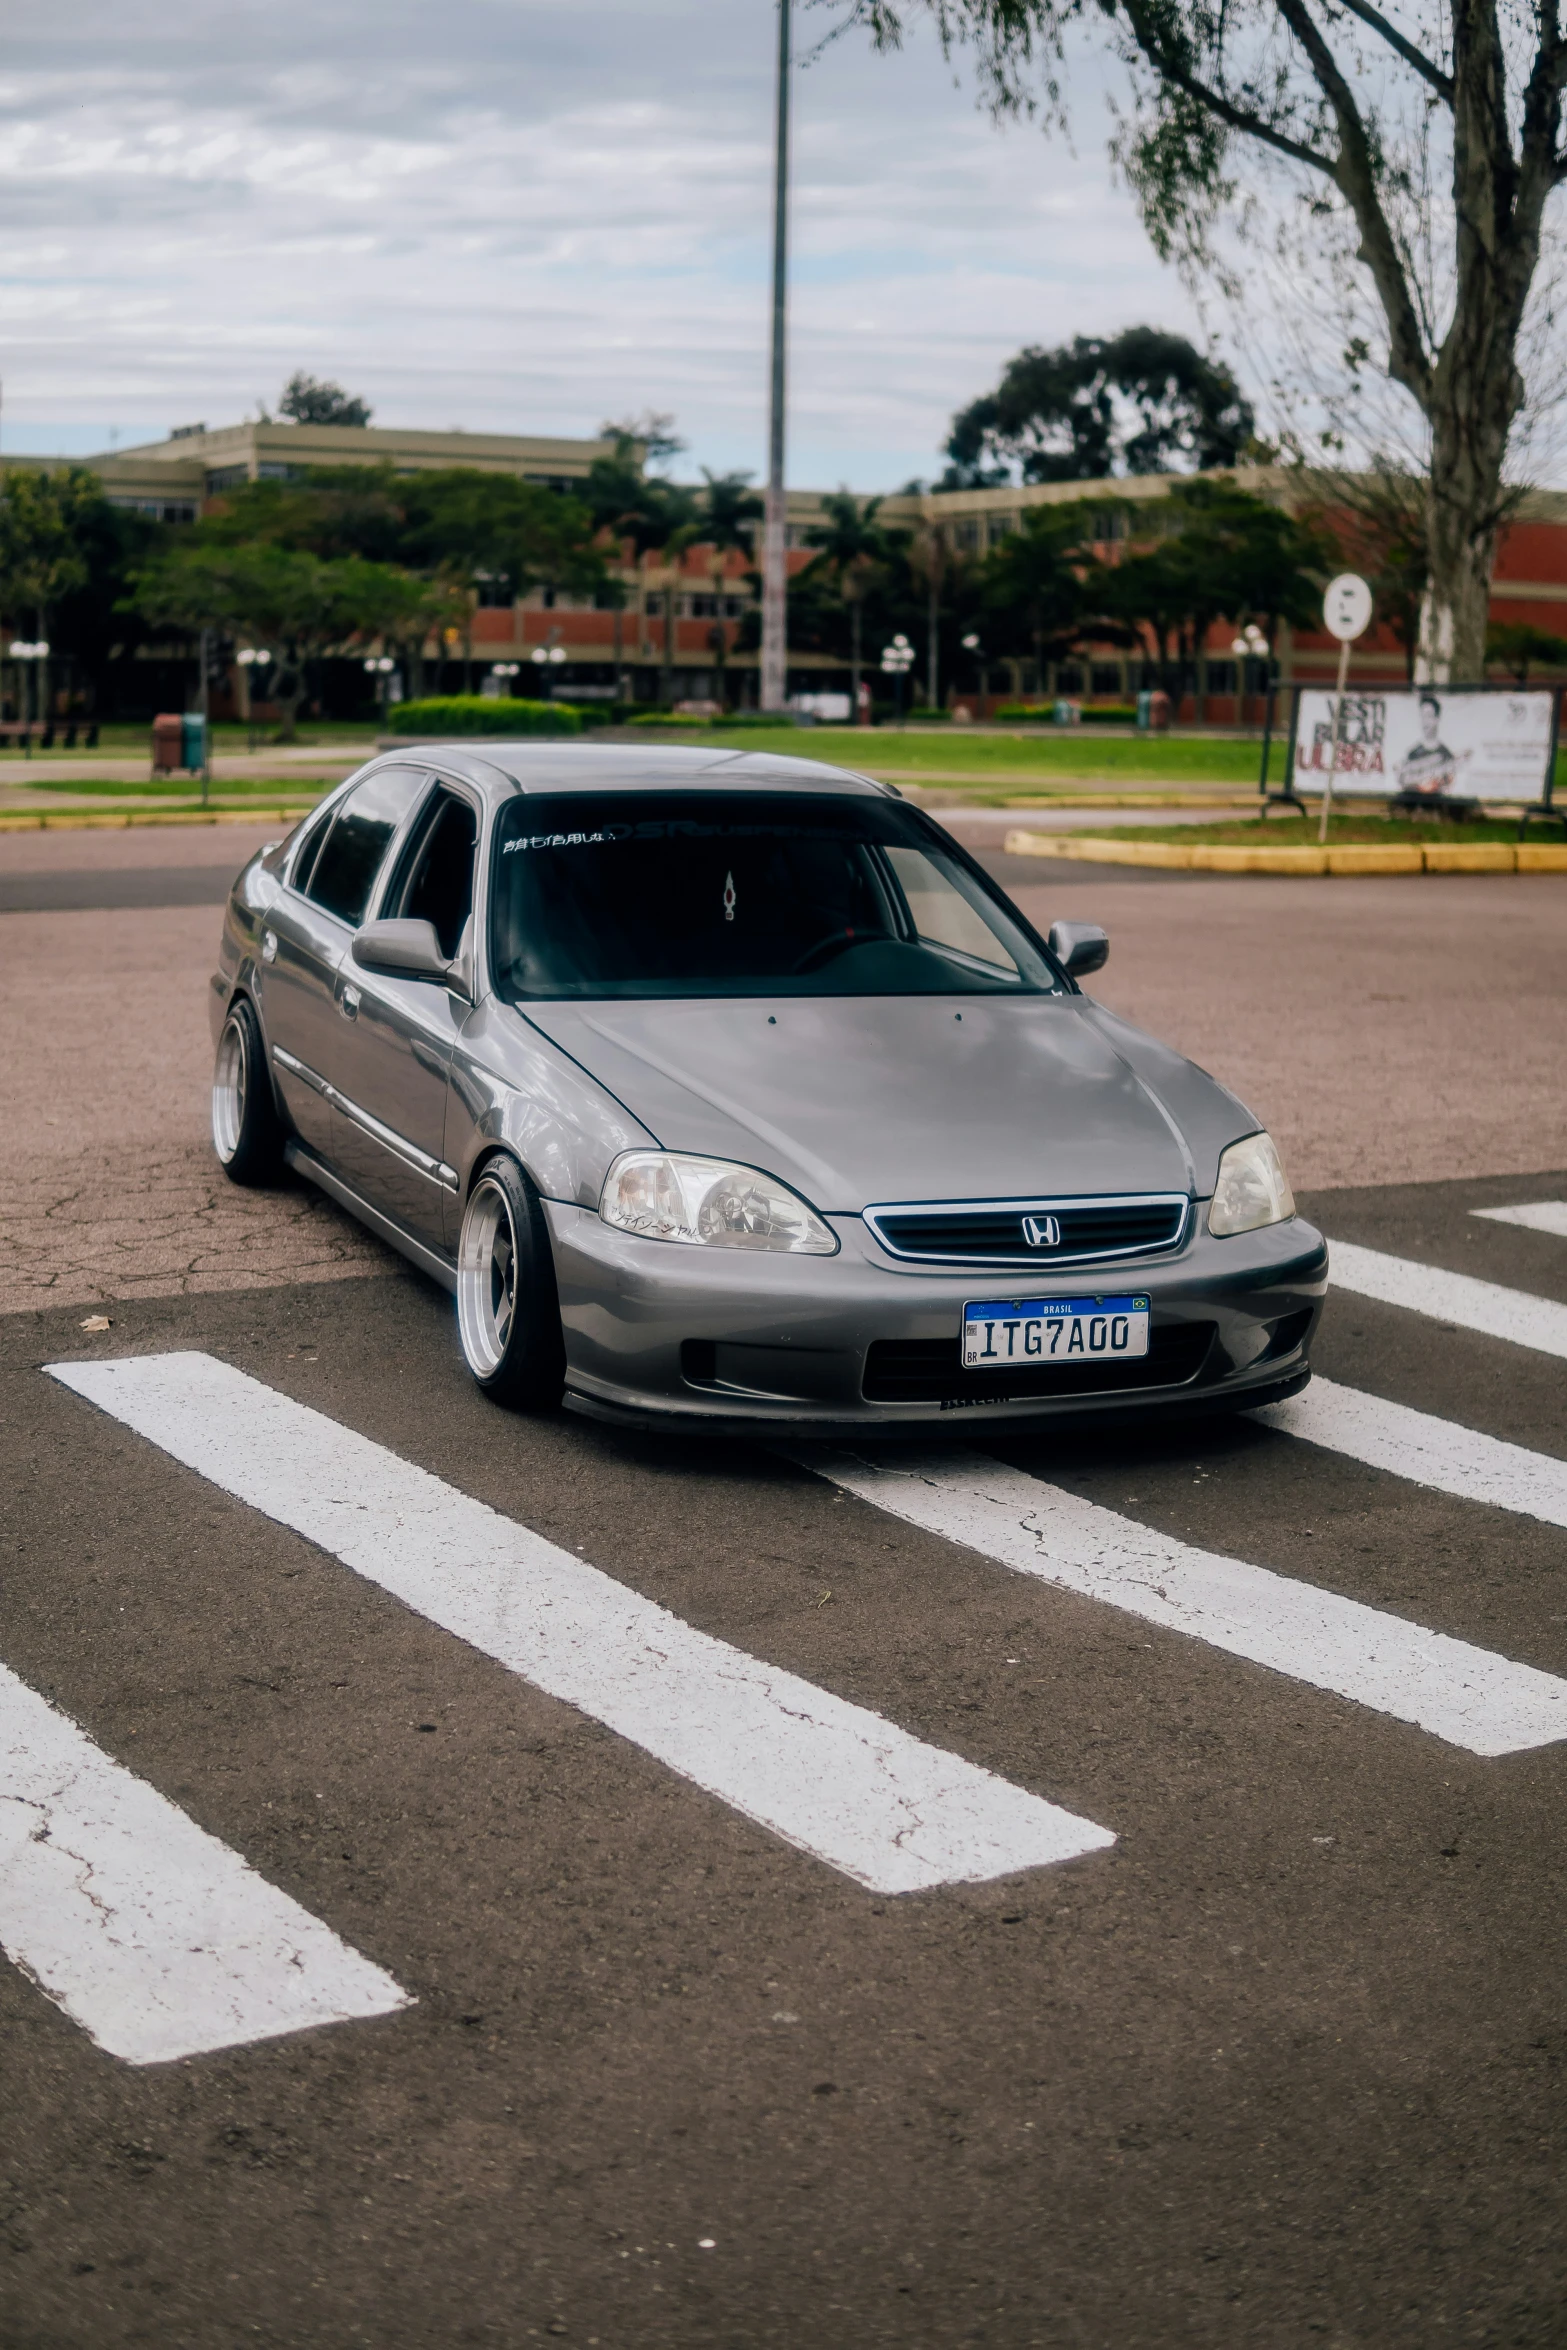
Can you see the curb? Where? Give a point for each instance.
(1498, 856)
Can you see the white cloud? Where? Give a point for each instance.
(517, 216)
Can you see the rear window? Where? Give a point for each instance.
(716, 894)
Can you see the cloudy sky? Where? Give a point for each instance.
(526, 216)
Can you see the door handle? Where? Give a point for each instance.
(269, 946)
(348, 1003)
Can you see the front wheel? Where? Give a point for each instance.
(247, 1133)
(508, 1312)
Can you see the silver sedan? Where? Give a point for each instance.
(728, 1089)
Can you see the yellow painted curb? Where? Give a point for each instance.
(1476, 856)
(1210, 857)
(1542, 856)
(1096, 852)
(1364, 857)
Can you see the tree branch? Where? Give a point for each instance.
(1147, 33)
(1355, 176)
(1441, 82)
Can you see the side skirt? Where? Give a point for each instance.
(304, 1162)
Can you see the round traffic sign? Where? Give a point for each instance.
(1346, 607)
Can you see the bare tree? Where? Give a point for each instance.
(1369, 113)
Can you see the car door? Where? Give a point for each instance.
(307, 937)
(394, 1056)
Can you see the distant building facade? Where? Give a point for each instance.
(621, 651)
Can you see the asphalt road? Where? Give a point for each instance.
(1282, 2065)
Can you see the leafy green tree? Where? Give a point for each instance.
(854, 549)
(66, 555)
(292, 604)
(308, 400)
(1422, 149)
(1517, 646)
(1036, 584)
(42, 557)
(1223, 554)
(1142, 401)
(728, 511)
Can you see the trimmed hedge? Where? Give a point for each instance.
(481, 714)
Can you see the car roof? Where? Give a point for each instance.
(502, 769)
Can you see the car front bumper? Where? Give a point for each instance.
(663, 1335)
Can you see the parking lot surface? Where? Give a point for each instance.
(1092, 1889)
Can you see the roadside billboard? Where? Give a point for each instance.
(1429, 742)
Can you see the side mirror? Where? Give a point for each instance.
(400, 950)
(1079, 947)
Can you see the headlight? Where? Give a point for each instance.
(1252, 1188)
(663, 1195)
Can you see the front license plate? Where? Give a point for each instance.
(1053, 1330)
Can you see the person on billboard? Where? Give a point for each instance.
(1430, 768)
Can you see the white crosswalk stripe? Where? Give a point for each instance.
(1459, 1693)
(152, 1935)
(1426, 1450)
(1513, 1314)
(1535, 1215)
(830, 1777)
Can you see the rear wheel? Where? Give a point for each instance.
(247, 1133)
(508, 1312)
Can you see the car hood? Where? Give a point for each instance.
(859, 1101)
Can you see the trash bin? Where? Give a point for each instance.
(1159, 712)
(168, 743)
(1068, 713)
(193, 742)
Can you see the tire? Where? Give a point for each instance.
(247, 1133)
(508, 1310)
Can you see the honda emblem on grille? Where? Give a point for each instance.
(1042, 1231)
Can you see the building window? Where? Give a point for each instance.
(1069, 678)
(965, 536)
(494, 592)
(1221, 677)
(226, 477)
(1109, 522)
(272, 472)
(1105, 677)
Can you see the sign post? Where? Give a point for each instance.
(1346, 609)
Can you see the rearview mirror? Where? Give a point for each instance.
(400, 950)
(1079, 947)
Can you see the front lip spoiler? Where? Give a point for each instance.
(1143, 1407)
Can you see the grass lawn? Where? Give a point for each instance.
(224, 792)
(127, 740)
(1008, 758)
(1294, 832)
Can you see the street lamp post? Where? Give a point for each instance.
(544, 658)
(506, 671)
(29, 652)
(250, 660)
(383, 669)
(775, 530)
(971, 644)
(897, 659)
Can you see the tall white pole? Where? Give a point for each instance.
(775, 530)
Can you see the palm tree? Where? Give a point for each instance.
(853, 547)
(729, 508)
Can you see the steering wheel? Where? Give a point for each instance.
(837, 942)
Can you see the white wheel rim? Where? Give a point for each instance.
(486, 1278)
(229, 1081)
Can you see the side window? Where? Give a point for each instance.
(351, 855)
(309, 850)
(439, 883)
(941, 915)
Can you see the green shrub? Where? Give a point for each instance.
(1042, 713)
(927, 714)
(480, 714)
(691, 725)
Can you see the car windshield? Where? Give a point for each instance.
(744, 894)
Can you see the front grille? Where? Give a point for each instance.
(992, 1231)
(930, 1370)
